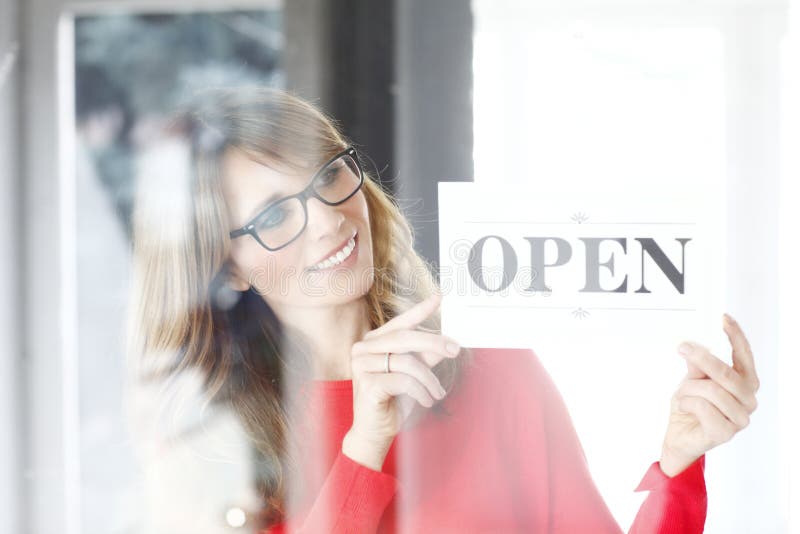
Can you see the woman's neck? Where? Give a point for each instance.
(331, 332)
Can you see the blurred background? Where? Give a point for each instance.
(661, 92)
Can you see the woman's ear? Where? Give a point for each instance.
(227, 288)
(234, 280)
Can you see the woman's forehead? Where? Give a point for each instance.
(239, 169)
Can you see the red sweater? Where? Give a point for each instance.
(507, 460)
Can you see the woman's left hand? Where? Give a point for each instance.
(712, 403)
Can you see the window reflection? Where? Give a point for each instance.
(154, 459)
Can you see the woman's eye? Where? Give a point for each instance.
(272, 218)
(328, 176)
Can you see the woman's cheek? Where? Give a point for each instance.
(265, 274)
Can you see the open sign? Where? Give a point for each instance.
(527, 268)
(592, 264)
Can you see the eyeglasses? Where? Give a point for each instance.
(282, 221)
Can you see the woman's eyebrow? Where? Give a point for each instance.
(267, 202)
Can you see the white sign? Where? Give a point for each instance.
(528, 268)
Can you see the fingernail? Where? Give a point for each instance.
(453, 348)
(728, 318)
(685, 348)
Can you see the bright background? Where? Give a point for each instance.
(662, 95)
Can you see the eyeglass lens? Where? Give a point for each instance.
(284, 221)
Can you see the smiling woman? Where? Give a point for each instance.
(254, 152)
(330, 349)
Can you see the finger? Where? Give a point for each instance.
(394, 384)
(408, 341)
(410, 318)
(431, 359)
(718, 371)
(715, 426)
(693, 371)
(401, 363)
(721, 399)
(405, 405)
(743, 360)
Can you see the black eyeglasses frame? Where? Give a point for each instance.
(249, 227)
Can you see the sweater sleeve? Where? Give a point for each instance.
(675, 505)
(352, 499)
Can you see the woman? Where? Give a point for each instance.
(288, 280)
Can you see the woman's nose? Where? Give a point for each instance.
(322, 218)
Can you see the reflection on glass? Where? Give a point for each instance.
(364, 416)
(292, 380)
(272, 332)
(148, 457)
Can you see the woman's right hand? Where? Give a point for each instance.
(382, 401)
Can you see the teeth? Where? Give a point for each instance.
(339, 257)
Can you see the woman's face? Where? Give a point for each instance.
(291, 275)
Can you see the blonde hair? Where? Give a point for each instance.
(178, 321)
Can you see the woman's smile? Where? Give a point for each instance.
(341, 257)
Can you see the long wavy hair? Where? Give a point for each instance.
(183, 318)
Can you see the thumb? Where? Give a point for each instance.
(693, 371)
